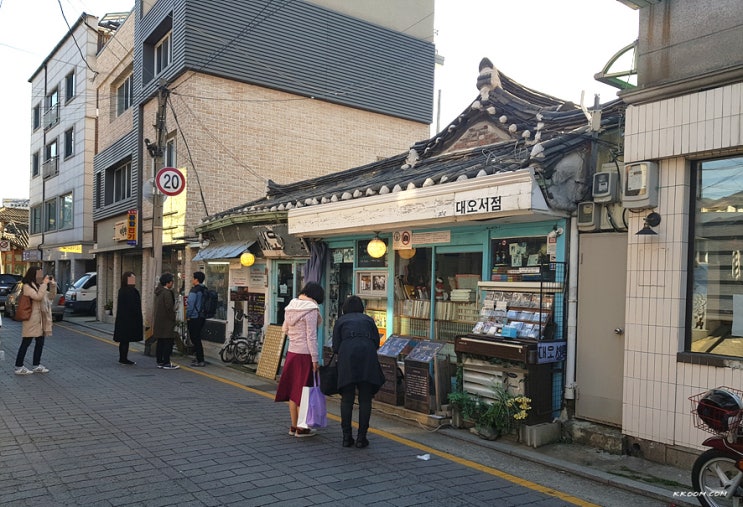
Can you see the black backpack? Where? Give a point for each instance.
(209, 303)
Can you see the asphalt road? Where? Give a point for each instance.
(93, 432)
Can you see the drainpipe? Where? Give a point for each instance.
(572, 314)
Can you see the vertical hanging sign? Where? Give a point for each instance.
(131, 227)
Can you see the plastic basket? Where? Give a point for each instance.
(714, 419)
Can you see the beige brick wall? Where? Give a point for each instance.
(114, 63)
(241, 135)
(656, 386)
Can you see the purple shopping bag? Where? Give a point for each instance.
(317, 414)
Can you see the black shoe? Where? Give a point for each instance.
(198, 364)
(348, 441)
(126, 362)
(361, 442)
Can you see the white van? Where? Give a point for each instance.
(81, 296)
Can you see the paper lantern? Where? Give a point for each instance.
(247, 259)
(376, 248)
(406, 254)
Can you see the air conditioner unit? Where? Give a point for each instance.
(120, 230)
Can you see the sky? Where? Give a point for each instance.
(551, 46)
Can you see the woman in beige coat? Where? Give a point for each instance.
(41, 289)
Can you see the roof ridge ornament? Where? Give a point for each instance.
(488, 78)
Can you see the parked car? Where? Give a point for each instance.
(81, 296)
(7, 281)
(58, 307)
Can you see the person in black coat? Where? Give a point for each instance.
(129, 324)
(355, 341)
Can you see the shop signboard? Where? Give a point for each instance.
(551, 351)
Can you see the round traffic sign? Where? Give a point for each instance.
(170, 181)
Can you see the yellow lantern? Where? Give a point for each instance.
(406, 254)
(376, 247)
(247, 259)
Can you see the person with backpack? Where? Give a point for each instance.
(196, 316)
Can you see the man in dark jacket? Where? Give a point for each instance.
(194, 318)
(163, 321)
(356, 340)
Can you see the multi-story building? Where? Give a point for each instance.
(64, 110)
(683, 178)
(292, 90)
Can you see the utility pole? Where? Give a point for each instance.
(157, 200)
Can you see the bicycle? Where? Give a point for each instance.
(239, 349)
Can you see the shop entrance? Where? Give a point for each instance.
(288, 281)
(600, 343)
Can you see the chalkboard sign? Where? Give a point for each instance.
(365, 260)
(256, 308)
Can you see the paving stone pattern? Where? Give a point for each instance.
(93, 432)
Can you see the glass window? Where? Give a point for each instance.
(65, 211)
(69, 143)
(122, 182)
(217, 277)
(50, 215)
(163, 54)
(170, 160)
(124, 94)
(51, 115)
(69, 82)
(716, 281)
(35, 220)
(37, 116)
(35, 164)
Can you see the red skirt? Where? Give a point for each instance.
(296, 374)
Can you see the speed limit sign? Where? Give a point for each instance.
(170, 181)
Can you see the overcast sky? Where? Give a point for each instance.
(551, 46)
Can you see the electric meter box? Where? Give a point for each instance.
(640, 188)
(589, 216)
(605, 187)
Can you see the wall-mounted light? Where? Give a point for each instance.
(247, 259)
(406, 254)
(376, 247)
(652, 220)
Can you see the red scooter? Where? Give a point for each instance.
(717, 474)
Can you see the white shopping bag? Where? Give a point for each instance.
(303, 405)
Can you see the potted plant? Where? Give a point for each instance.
(109, 307)
(494, 417)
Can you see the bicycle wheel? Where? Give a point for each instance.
(242, 351)
(227, 354)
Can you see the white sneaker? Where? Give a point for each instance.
(40, 369)
(23, 371)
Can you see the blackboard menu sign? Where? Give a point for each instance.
(256, 308)
(367, 261)
(425, 351)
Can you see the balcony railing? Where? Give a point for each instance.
(50, 167)
(51, 116)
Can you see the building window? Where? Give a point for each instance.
(51, 115)
(716, 281)
(51, 166)
(37, 116)
(122, 182)
(35, 164)
(163, 54)
(124, 95)
(50, 215)
(69, 143)
(170, 160)
(35, 219)
(69, 86)
(65, 211)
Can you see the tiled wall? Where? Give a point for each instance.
(656, 386)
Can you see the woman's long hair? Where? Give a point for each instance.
(30, 277)
(125, 278)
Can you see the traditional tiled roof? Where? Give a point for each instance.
(14, 223)
(525, 129)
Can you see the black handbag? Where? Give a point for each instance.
(329, 377)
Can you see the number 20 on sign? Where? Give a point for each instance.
(170, 181)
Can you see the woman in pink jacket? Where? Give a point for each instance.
(301, 320)
(41, 289)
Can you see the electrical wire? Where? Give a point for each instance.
(72, 35)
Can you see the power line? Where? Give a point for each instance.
(73, 37)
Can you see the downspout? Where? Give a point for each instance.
(572, 311)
